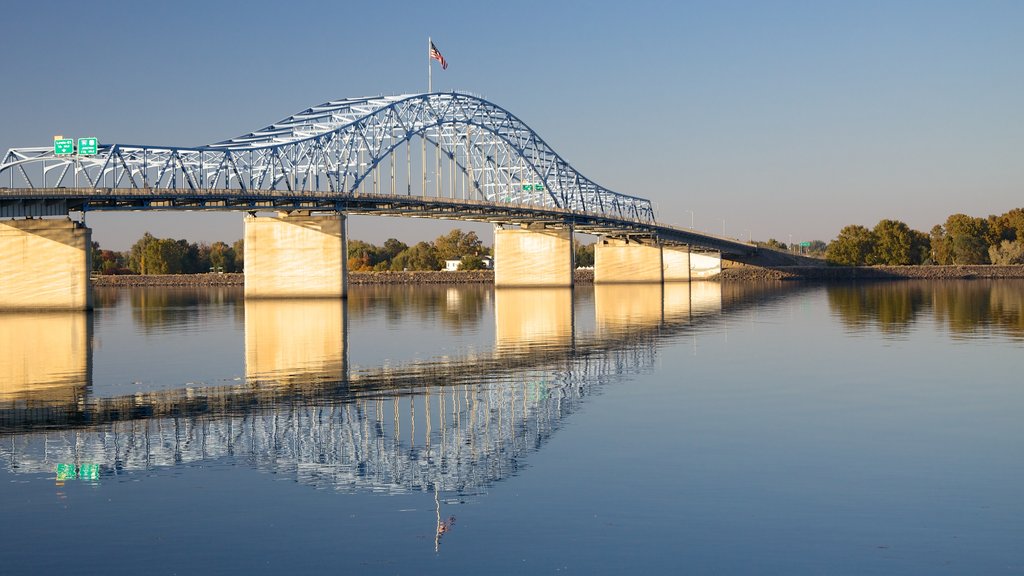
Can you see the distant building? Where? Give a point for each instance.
(453, 265)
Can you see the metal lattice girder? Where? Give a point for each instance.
(334, 148)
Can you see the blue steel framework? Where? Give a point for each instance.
(340, 148)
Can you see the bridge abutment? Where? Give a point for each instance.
(296, 256)
(45, 265)
(627, 261)
(539, 257)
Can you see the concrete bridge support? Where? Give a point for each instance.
(296, 256)
(45, 265)
(675, 262)
(533, 256)
(705, 264)
(626, 261)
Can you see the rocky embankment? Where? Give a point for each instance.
(845, 273)
(169, 280)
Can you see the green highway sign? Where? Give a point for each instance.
(538, 187)
(533, 187)
(805, 244)
(527, 187)
(63, 146)
(88, 146)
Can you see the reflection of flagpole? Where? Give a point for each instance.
(439, 530)
(429, 67)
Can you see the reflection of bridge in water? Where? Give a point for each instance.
(451, 423)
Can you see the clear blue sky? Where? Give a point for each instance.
(783, 118)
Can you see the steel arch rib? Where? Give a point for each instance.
(330, 140)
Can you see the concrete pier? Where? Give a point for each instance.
(705, 264)
(675, 262)
(622, 262)
(296, 256)
(45, 265)
(532, 257)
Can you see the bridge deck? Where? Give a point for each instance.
(22, 202)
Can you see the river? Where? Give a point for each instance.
(870, 428)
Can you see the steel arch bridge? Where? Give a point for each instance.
(341, 147)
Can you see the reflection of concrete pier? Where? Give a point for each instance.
(627, 306)
(288, 341)
(46, 357)
(532, 317)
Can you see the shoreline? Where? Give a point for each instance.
(586, 276)
(872, 273)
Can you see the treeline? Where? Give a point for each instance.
(396, 255)
(961, 240)
(152, 255)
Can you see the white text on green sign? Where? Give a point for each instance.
(88, 146)
(63, 147)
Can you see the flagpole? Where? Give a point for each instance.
(429, 67)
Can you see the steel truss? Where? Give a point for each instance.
(341, 148)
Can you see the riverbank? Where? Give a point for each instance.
(847, 273)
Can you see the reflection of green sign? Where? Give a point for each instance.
(63, 146)
(83, 472)
(89, 471)
(66, 472)
(88, 146)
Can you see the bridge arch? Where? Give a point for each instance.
(335, 147)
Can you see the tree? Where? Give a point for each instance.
(456, 244)
(1007, 253)
(584, 254)
(222, 257)
(472, 262)
(239, 249)
(967, 239)
(392, 248)
(920, 247)
(893, 244)
(422, 256)
(1013, 224)
(852, 247)
(941, 249)
(136, 262)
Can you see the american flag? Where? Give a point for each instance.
(436, 55)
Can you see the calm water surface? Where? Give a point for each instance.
(706, 429)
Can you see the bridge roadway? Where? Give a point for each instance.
(404, 428)
(38, 202)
